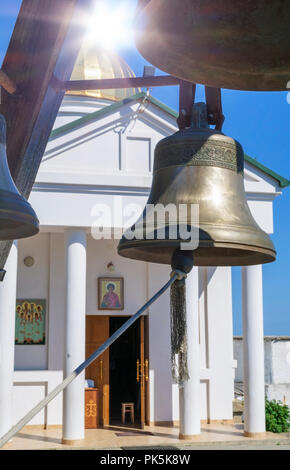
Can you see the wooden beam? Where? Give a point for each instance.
(142, 4)
(44, 44)
(6, 83)
(111, 83)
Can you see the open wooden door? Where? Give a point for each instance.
(97, 332)
(147, 378)
(143, 375)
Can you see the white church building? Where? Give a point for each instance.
(97, 172)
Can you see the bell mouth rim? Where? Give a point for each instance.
(153, 47)
(18, 219)
(24, 226)
(256, 81)
(267, 255)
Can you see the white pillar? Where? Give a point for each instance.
(253, 351)
(7, 339)
(73, 398)
(189, 394)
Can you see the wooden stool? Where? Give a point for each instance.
(127, 407)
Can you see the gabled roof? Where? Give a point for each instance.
(95, 115)
(283, 182)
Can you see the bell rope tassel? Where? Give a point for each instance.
(178, 332)
(182, 261)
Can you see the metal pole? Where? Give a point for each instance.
(175, 274)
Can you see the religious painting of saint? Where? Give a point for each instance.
(110, 293)
(30, 321)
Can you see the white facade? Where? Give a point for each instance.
(107, 161)
(276, 367)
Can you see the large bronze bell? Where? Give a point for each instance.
(199, 165)
(17, 218)
(236, 44)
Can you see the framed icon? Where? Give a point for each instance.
(30, 321)
(110, 293)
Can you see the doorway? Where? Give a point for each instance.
(121, 373)
(124, 355)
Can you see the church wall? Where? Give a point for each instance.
(217, 367)
(32, 386)
(162, 405)
(117, 144)
(276, 366)
(32, 379)
(216, 351)
(74, 107)
(57, 289)
(94, 141)
(33, 283)
(99, 254)
(262, 212)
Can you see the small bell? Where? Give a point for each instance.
(202, 167)
(17, 218)
(236, 44)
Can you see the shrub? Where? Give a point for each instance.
(277, 416)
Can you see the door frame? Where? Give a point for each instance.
(100, 374)
(104, 392)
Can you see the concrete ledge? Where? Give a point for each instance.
(189, 437)
(211, 437)
(164, 423)
(30, 427)
(72, 442)
(175, 424)
(256, 435)
(217, 421)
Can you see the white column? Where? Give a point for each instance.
(7, 338)
(253, 351)
(189, 394)
(73, 398)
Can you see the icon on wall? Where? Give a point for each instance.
(110, 293)
(30, 321)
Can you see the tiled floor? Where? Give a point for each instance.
(116, 437)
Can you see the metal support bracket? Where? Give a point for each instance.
(213, 103)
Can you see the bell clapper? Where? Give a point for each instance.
(182, 262)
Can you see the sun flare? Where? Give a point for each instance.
(110, 25)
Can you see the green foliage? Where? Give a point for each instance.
(277, 416)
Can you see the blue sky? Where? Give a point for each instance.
(261, 123)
